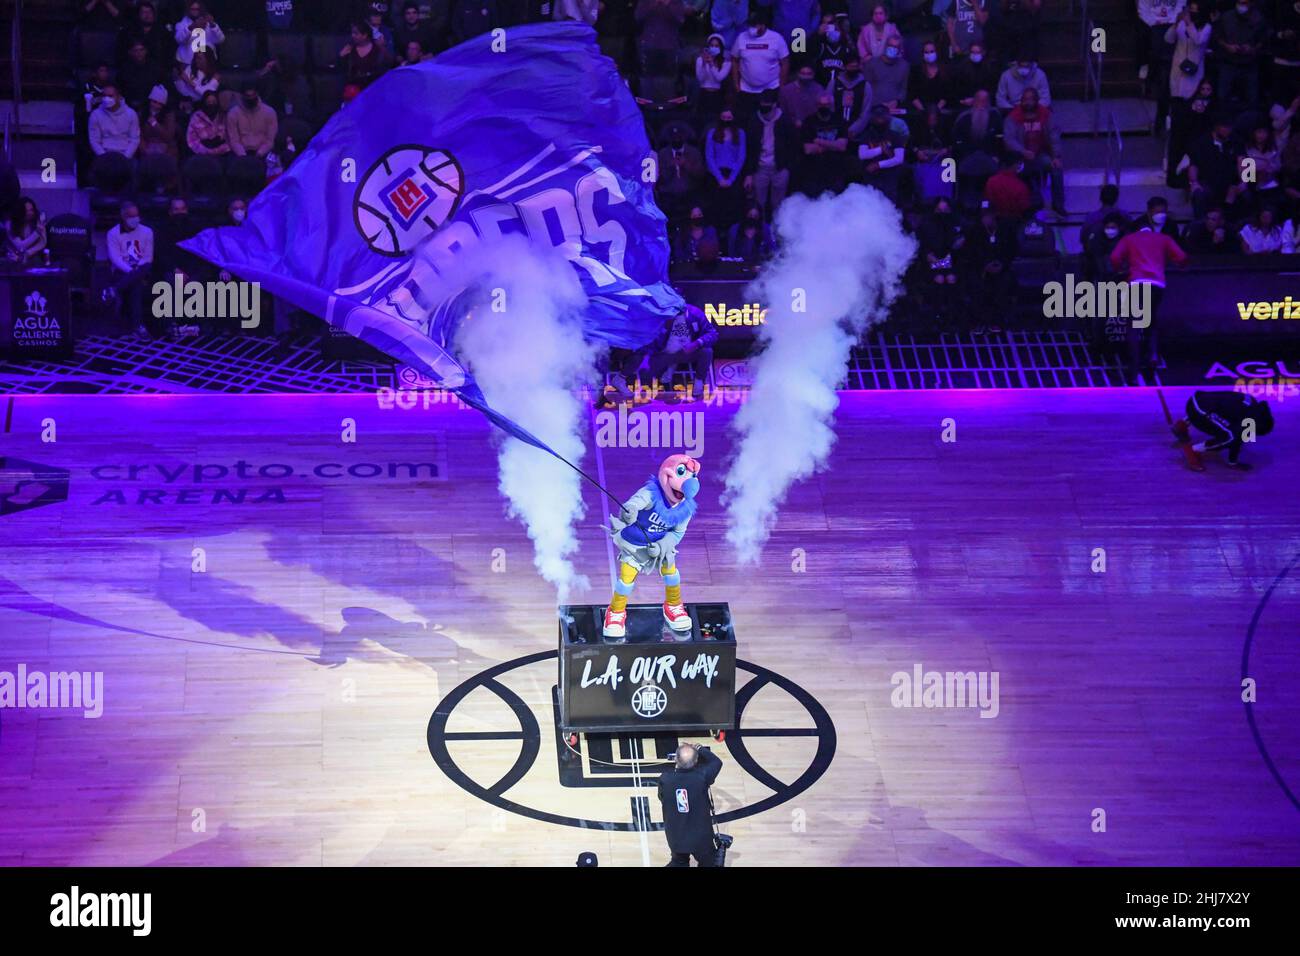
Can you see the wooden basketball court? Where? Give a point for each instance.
(277, 615)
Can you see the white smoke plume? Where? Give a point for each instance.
(840, 263)
(523, 342)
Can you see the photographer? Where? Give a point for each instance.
(687, 809)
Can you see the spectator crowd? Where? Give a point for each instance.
(940, 104)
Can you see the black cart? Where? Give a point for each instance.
(654, 679)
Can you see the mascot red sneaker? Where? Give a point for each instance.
(647, 531)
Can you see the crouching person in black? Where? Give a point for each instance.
(686, 339)
(688, 812)
(1229, 419)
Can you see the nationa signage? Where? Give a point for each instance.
(719, 313)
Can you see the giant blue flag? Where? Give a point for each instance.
(531, 133)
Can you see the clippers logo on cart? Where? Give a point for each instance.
(683, 801)
(649, 701)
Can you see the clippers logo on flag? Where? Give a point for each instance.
(683, 801)
(405, 198)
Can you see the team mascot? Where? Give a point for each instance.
(647, 531)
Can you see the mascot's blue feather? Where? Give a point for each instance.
(672, 514)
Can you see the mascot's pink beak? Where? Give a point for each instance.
(679, 478)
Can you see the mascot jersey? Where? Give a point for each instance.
(655, 518)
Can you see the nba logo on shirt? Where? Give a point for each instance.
(405, 197)
(683, 801)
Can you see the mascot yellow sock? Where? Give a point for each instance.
(672, 586)
(626, 578)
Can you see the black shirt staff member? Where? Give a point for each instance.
(688, 814)
(1223, 416)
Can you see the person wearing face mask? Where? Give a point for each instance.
(159, 143)
(799, 97)
(1020, 76)
(206, 133)
(876, 33)
(236, 213)
(1108, 333)
(750, 239)
(773, 152)
(724, 155)
(1101, 243)
(975, 72)
(251, 125)
(825, 143)
(940, 239)
(114, 135)
(130, 253)
(930, 84)
(1109, 206)
(832, 50)
(712, 73)
(881, 150)
(169, 258)
(113, 127)
(158, 132)
(851, 93)
(682, 173)
(1239, 37)
(693, 233)
(888, 75)
(762, 60)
